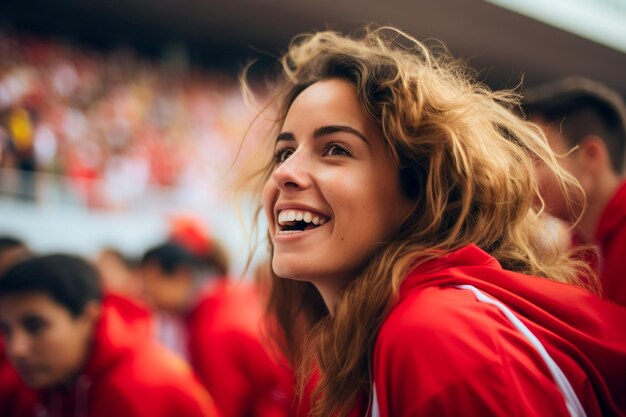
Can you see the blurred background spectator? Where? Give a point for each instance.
(214, 323)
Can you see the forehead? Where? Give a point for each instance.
(16, 306)
(333, 100)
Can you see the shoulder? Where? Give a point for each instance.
(230, 310)
(443, 334)
(439, 310)
(154, 373)
(444, 353)
(152, 363)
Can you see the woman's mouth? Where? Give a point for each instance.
(292, 221)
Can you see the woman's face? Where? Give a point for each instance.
(334, 194)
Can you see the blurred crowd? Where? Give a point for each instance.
(112, 123)
(104, 128)
(197, 336)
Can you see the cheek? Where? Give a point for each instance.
(385, 208)
(62, 348)
(546, 180)
(268, 198)
(162, 294)
(70, 337)
(148, 287)
(73, 351)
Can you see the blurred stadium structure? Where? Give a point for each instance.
(492, 37)
(117, 114)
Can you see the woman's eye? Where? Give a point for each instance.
(281, 155)
(337, 149)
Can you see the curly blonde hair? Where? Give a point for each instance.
(464, 157)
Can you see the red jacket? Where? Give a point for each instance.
(443, 352)
(611, 236)
(138, 318)
(226, 352)
(129, 375)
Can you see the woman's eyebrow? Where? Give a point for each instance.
(327, 130)
(322, 131)
(285, 136)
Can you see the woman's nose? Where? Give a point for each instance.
(293, 173)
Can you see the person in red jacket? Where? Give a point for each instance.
(585, 123)
(86, 355)
(218, 328)
(411, 273)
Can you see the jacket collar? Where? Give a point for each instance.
(468, 256)
(613, 216)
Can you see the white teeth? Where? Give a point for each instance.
(286, 216)
(289, 232)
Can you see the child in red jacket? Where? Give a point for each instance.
(410, 266)
(84, 355)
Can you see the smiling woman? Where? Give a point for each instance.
(403, 235)
(333, 165)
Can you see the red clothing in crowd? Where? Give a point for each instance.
(137, 317)
(129, 375)
(16, 400)
(227, 353)
(445, 351)
(611, 236)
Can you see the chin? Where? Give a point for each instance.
(294, 270)
(37, 382)
(287, 273)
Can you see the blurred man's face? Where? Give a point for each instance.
(167, 292)
(44, 342)
(555, 201)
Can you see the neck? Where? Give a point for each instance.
(331, 285)
(597, 199)
(329, 295)
(330, 288)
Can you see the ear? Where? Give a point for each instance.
(593, 153)
(92, 312)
